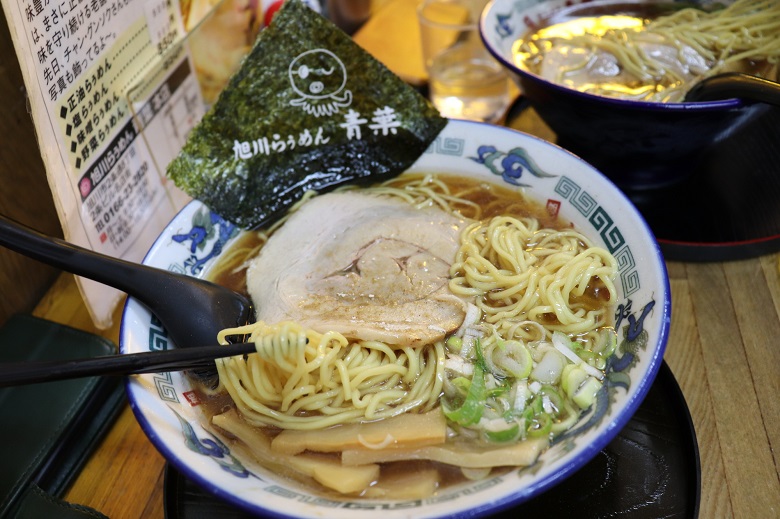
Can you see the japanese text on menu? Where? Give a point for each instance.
(89, 55)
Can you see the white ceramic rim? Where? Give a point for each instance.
(483, 503)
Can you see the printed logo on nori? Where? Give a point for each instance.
(308, 109)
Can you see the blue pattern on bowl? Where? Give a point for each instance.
(167, 408)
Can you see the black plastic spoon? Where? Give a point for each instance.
(731, 85)
(192, 310)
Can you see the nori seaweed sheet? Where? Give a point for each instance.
(280, 128)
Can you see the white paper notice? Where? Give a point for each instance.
(105, 79)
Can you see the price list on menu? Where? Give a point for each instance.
(105, 79)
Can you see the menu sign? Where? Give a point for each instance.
(105, 78)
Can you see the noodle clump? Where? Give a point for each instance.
(301, 379)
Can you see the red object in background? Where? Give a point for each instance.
(271, 11)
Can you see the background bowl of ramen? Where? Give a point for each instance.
(168, 409)
(639, 145)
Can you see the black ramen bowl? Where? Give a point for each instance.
(639, 145)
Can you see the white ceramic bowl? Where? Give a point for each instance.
(163, 404)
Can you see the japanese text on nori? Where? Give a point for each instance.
(308, 109)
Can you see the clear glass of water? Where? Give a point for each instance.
(464, 80)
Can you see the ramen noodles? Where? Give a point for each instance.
(650, 56)
(413, 334)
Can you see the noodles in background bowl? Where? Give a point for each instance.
(654, 58)
(521, 369)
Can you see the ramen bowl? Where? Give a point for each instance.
(168, 410)
(639, 145)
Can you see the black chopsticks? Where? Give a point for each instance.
(20, 373)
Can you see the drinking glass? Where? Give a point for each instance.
(464, 80)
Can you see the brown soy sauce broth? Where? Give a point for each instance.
(230, 271)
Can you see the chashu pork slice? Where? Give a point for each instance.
(369, 267)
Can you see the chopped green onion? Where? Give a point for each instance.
(572, 378)
(515, 359)
(506, 435)
(476, 474)
(473, 406)
(462, 384)
(502, 388)
(548, 370)
(564, 345)
(607, 342)
(537, 406)
(566, 418)
(586, 394)
(540, 426)
(480, 356)
(522, 394)
(454, 343)
(555, 399)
